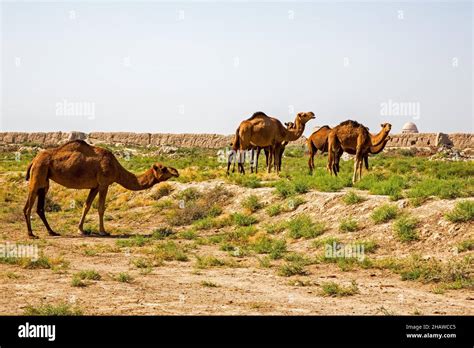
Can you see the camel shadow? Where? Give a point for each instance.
(111, 236)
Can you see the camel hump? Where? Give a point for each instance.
(351, 123)
(74, 144)
(257, 114)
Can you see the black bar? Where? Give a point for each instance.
(220, 330)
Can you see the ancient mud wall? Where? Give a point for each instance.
(458, 140)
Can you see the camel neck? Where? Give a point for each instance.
(295, 133)
(375, 149)
(379, 138)
(136, 183)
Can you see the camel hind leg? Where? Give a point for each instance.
(38, 185)
(311, 159)
(87, 205)
(102, 196)
(30, 201)
(41, 212)
(333, 150)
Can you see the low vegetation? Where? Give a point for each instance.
(335, 290)
(405, 228)
(62, 309)
(348, 225)
(352, 198)
(302, 226)
(384, 213)
(462, 212)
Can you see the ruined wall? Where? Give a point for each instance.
(412, 139)
(458, 140)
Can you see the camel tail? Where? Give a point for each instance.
(28, 170)
(311, 147)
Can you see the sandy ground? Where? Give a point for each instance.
(177, 287)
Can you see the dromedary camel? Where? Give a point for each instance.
(263, 131)
(255, 153)
(79, 165)
(373, 150)
(288, 125)
(318, 140)
(353, 136)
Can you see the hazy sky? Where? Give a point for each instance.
(202, 67)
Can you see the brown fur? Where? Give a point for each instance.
(79, 165)
(318, 140)
(351, 136)
(263, 131)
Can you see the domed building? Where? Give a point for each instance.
(409, 127)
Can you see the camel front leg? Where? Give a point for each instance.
(40, 210)
(354, 175)
(87, 205)
(270, 160)
(256, 159)
(30, 201)
(277, 158)
(102, 196)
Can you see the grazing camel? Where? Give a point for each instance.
(79, 165)
(263, 131)
(353, 136)
(318, 140)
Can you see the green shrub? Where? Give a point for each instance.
(284, 189)
(336, 290)
(170, 251)
(301, 186)
(189, 194)
(252, 203)
(466, 245)
(384, 213)
(266, 245)
(348, 225)
(274, 210)
(292, 268)
(124, 278)
(301, 226)
(62, 309)
(243, 219)
(352, 198)
(462, 212)
(405, 228)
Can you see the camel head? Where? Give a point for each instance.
(386, 127)
(163, 173)
(305, 116)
